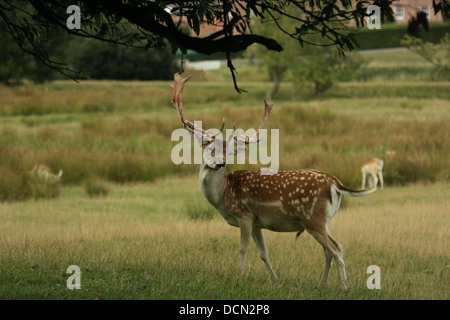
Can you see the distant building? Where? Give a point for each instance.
(404, 10)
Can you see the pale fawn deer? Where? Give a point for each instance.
(372, 172)
(45, 174)
(286, 201)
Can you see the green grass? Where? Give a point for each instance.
(139, 243)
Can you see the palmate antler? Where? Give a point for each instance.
(254, 138)
(207, 137)
(177, 91)
(177, 102)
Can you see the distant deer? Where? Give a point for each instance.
(391, 154)
(287, 201)
(372, 171)
(44, 173)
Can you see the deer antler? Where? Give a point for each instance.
(177, 90)
(177, 102)
(254, 138)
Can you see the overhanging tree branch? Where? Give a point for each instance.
(154, 23)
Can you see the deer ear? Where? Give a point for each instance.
(202, 139)
(238, 149)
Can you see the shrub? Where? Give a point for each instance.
(14, 185)
(94, 187)
(105, 61)
(391, 35)
(41, 188)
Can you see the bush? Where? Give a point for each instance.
(106, 61)
(16, 64)
(404, 169)
(14, 185)
(391, 35)
(95, 188)
(43, 189)
(100, 60)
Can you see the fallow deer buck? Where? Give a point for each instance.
(287, 201)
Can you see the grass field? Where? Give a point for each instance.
(149, 234)
(138, 243)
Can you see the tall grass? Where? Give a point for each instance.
(43, 189)
(132, 144)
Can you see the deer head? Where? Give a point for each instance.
(217, 150)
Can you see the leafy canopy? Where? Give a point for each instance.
(156, 23)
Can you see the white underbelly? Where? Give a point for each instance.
(278, 224)
(271, 218)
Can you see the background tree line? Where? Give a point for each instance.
(319, 67)
(94, 60)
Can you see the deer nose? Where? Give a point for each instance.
(222, 164)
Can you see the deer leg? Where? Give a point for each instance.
(339, 259)
(258, 237)
(375, 180)
(380, 175)
(332, 249)
(363, 184)
(246, 227)
(369, 181)
(326, 272)
(323, 240)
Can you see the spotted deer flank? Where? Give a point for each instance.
(372, 171)
(285, 201)
(287, 196)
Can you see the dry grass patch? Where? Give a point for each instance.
(139, 243)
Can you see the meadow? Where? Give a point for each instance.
(138, 243)
(151, 235)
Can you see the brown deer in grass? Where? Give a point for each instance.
(287, 201)
(45, 174)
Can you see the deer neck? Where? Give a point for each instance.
(213, 184)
